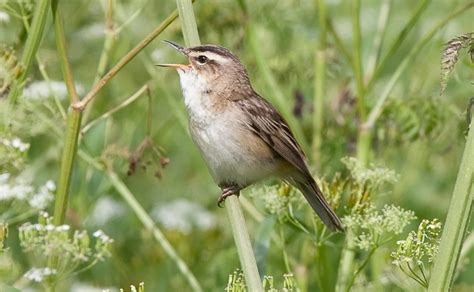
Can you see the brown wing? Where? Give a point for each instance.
(268, 124)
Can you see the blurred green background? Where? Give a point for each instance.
(420, 135)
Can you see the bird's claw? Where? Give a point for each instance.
(227, 192)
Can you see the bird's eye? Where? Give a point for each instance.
(202, 59)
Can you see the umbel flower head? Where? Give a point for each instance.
(73, 249)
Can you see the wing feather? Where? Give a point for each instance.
(265, 121)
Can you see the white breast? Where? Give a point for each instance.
(221, 139)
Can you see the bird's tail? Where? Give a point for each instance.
(315, 198)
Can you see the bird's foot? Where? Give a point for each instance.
(227, 192)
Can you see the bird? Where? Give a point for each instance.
(241, 136)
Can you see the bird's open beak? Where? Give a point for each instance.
(176, 47)
(176, 66)
(179, 49)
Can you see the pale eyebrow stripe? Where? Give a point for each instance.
(213, 56)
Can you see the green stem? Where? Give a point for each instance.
(146, 220)
(319, 83)
(119, 107)
(356, 60)
(363, 139)
(361, 267)
(234, 211)
(456, 221)
(188, 23)
(31, 47)
(73, 123)
(346, 263)
(242, 242)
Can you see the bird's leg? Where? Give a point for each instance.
(227, 191)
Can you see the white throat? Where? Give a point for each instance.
(196, 98)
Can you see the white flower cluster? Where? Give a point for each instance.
(41, 227)
(183, 215)
(40, 90)
(276, 198)
(419, 246)
(375, 175)
(15, 143)
(373, 227)
(104, 238)
(39, 274)
(20, 189)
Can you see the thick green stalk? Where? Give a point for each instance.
(236, 217)
(346, 263)
(357, 59)
(363, 138)
(319, 83)
(188, 23)
(33, 41)
(67, 163)
(456, 222)
(243, 244)
(150, 225)
(73, 124)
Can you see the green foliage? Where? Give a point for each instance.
(415, 135)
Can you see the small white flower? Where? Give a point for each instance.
(99, 234)
(18, 144)
(4, 17)
(39, 274)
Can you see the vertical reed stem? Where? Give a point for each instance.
(236, 217)
(456, 221)
(319, 83)
(33, 41)
(73, 124)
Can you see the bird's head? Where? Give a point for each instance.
(210, 68)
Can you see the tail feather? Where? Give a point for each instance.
(315, 198)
